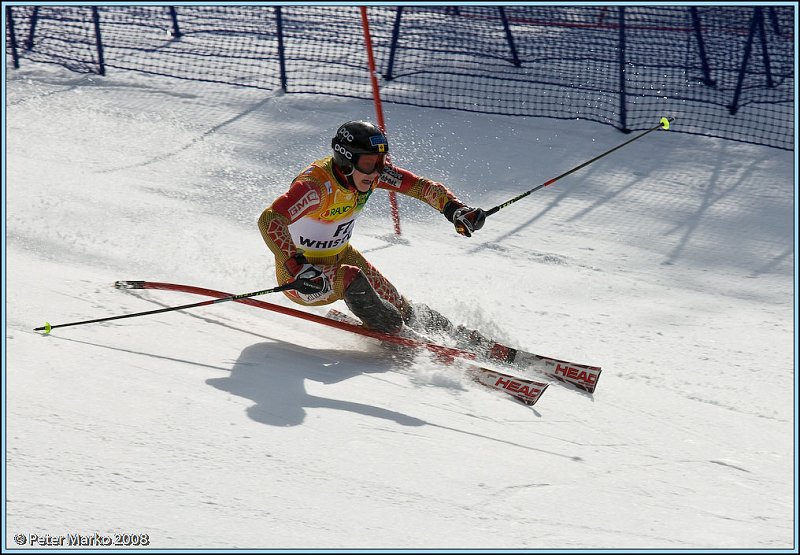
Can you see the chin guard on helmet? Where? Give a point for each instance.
(354, 139)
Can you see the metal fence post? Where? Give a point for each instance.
(762, 31)
(748, 47)
(12, 36)
(509, 37)
(773, 18)
(701, 47)
(393, 47)
(623, 109)
(176, 30)
(281, 50)
(99, 40)
(32, 30)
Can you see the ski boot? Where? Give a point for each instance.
(375, 312)
(422, 318)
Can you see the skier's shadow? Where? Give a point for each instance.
(273, 375)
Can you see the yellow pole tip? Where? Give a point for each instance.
(665, 124)
(47, 328)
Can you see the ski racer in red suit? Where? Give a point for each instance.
(308, 229)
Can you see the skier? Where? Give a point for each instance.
(308, 229)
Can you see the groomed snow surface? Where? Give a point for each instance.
(669, 263)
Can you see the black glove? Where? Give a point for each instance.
(467, 220)
(308, 279)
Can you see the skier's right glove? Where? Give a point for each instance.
(467, 220)
(308, 279)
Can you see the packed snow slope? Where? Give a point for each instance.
(669, 263)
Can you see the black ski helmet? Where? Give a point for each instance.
(355, 138)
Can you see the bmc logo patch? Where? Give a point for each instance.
(311, 198)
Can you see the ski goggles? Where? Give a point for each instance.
(370, 163)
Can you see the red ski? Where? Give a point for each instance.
(525, 390)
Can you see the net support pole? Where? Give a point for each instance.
(28, 44)
(623, 107)
(281, 48)
(176, 29)
(12, 36)
(376, 95)
(509, 37)
(701, 47)
(734, 105)
(101, 63)
(393, 47)
(762, 31)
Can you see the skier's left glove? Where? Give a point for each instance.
(308, 279)
(467, 220)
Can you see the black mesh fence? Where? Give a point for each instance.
(722, 71)
(60, 35)
(217, 44)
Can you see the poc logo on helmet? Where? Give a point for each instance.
(342, 150)
(345, 134)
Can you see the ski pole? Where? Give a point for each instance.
(132, 285)
(663, 124)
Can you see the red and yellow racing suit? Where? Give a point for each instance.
(316, 217)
